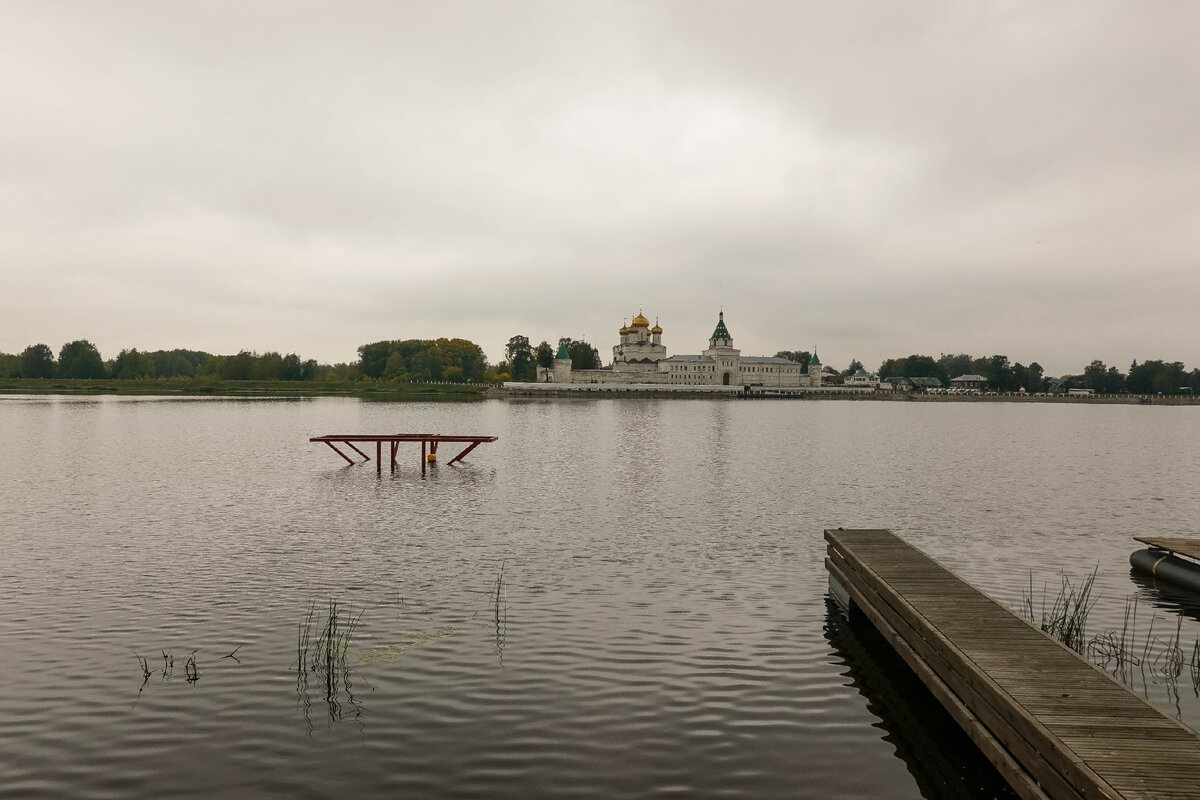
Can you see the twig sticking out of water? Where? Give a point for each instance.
(1195, 668)
(145, 665)
(1169, 662)
(193, 672)
(1109, 648)
(501, 612)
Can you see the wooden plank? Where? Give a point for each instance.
(1070, 726)
(1181, 546)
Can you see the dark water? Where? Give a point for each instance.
(660, 628)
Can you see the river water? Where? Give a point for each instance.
(619, 598)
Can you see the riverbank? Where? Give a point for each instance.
(389, 391)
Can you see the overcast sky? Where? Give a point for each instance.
(873, 179)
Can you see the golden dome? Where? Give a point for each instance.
(656, 329)
(626, 331)
(640, 322)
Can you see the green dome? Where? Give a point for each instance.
(721, 332)
(562, 351)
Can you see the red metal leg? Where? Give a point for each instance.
(461, 455)
(423, 443)
(379, 458)
(355, 449)
(349, 460)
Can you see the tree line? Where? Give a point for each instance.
(1147, 377)
(81, 359)
(404, 360)
(460, 360)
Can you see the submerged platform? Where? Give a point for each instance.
(1053, 724)
(429, 444)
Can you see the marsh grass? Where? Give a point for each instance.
(1123, 653)
(1066, 618)
(333, 633)
(322, 643)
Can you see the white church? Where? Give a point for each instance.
(641, 358)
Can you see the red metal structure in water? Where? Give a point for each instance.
(429, 445)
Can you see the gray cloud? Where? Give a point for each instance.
(874, 179)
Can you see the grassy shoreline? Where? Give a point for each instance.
(205, 387)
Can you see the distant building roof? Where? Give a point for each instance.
(969, 379)
(927, 383)
(765, 360)
(562, 351)
(815, 361)
(721, 332)
(690, 358)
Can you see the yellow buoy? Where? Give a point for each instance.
(431, 458)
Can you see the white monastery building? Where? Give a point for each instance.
(641, 358)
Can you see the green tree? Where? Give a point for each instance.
(80, 359)
(311, 370)
(37, 361)
(544, 354)
(855, 366)
(132, 365)
(373, 358)
(1141, 376)
(396, 369)
(236, 368)
(267, 367)
(520, 359)
(10, 366)
(290, 368)
(583, 355)
(179, 363)
(1028, 378)
(955, 365)
(1170, 379)
(801, 357)
(894, 368)
(1099, 378)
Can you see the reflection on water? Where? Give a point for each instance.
(937, 753)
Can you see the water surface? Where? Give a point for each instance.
(661, 627)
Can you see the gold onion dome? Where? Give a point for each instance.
(656, 328)
(640, 322)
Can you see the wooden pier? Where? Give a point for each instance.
(429, 445)
(1053, 724)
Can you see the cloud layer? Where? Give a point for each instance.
(872, 179)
